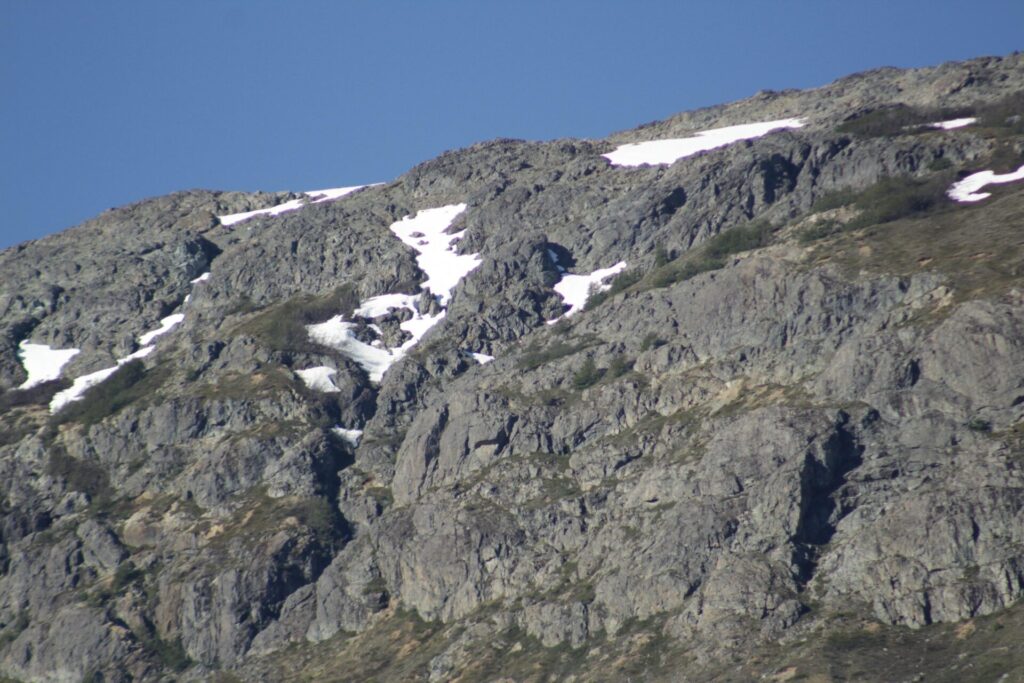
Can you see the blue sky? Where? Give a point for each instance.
(108, 101)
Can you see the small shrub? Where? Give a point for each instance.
(86, 477)
(651, 341)
(282, 327)
(711, 255)
(621, 283)
(587, 376)
(41, 394)
(619, 366)
(534, 357)
(899, 119)
(1006, 115)
(898, 197)
(979, 425)
(743, 238)
(940, 164)
(129, 383)
(819, 230)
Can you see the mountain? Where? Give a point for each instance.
(734, 396)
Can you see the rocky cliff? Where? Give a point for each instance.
(535, 412)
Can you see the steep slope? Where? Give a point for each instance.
(400, 433)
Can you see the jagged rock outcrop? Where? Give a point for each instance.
(797, 414)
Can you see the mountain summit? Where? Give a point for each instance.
(734, 396)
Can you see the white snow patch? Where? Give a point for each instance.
(85, 382)
(351, 436)
(576, 289)
(376, 306)
(953, 123)
(337, 334)
(332, 193)
(141, 353)
(319, 379)
(425, 232)
(671, 150)
(165, 326)
(42, 363)
(79, 387)
(312, 197)
(202, 278)
(481, 358)
(232, 218)
(966, 190)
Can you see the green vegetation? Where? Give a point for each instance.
(536, 355)
(282, 327)
(80, 475)
(651, 341)
(899, 119)
(130, 383)
(711, 255)
(588, 375)
(39, 395)
(978, 247)
(979, 425)
(621, 283)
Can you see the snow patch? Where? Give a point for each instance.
(338, 335)
(425, 232)
(333, 193)
(576, 289)
(966, 190)
(312, 197)
(165, 326)
(671, 150)
(319, 379)
(42, 363)
(202, 278)
(350, 436)
(953, 123)
(481, 358)
(80, 385)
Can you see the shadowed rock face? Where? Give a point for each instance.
(746, 446)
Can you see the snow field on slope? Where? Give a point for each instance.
(81, 384)
(319, 379)
(966, 190)
(576, 289)
(437, 258)
(671, 150)
(42, 363)
(312, 197)
(953, 123)
(350, 436)
(425, 232)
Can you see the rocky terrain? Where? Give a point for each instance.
(787, 443)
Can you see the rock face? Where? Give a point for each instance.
(798, 413)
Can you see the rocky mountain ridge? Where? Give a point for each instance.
(788, 435)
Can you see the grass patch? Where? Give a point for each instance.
(899, 119)
(711, 255)
(535, 355)
(282, 327)
(621, 283)
(978, 247)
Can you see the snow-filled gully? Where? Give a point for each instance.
(444, 267)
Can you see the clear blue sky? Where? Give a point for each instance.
(106, 102)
